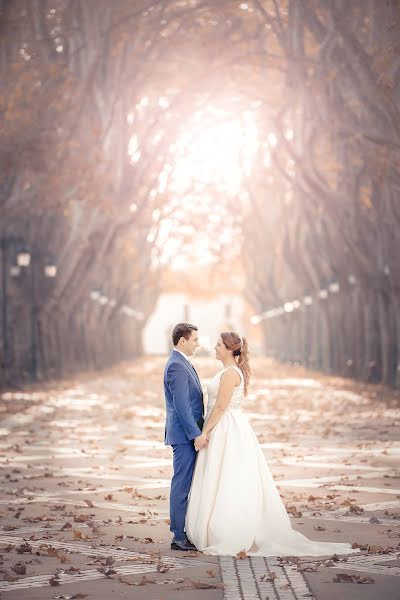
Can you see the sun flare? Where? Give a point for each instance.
(216, 148)
(212, 154)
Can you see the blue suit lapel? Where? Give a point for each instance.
(188, 367)
(197, 377)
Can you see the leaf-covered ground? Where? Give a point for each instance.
(85, 483)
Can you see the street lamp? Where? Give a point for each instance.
(334, 287)
(7, 243)
(255, 319)
(131, 312)
(24, 258)
(98, 296)
(15, 270)
(50, 268)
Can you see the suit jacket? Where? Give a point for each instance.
(183, 400)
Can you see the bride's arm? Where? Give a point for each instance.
(227, 384)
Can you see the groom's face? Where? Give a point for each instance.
(191, 344)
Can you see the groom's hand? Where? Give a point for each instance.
(200, 442)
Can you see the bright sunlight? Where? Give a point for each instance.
(216, 149)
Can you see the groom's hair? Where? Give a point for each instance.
(182, 330)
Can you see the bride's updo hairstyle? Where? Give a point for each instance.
(240, 351)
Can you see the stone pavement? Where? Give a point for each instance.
(85, 483)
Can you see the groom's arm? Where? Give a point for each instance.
(178, 380)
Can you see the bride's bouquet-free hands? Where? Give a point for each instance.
(201, 442)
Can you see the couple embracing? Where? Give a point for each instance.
(223, 498)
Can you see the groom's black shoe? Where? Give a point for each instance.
(184, 545)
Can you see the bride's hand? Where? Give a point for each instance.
(200, 442)
(205, 445)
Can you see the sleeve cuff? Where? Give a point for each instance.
(192, 436)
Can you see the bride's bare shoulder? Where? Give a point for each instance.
(231, 376)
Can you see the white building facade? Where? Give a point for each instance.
(211, 315)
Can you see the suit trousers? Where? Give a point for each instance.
(184, 458)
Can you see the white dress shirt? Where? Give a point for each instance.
(183, 354)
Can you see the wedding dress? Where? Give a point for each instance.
(234, 504)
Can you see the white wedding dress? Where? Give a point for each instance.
(233, 502)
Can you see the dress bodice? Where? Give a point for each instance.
(213, 387)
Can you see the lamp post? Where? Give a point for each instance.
(26, 258)
(4, 301)
(97, 296)
(6, 243)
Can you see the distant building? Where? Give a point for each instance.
(212, 315)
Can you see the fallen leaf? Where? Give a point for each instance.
(72, 571)
(7, 576)
(81, 518)
(25, 547)
(161, 567)
(374, 549)
(211, 573)
(361, 546)
(374, 519)
(106, 572)
(293, 511)
(354, 508)
(336, 557)
(19, 568)
(310, 568)
(347, 578)
(80, 535)
(392, 533)
(268, 577)
(328, 563)
(199, 585)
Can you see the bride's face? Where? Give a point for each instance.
(221, 351)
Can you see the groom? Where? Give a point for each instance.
(184, 422)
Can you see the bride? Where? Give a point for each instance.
(234, 504)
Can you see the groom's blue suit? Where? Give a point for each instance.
(184, 420)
